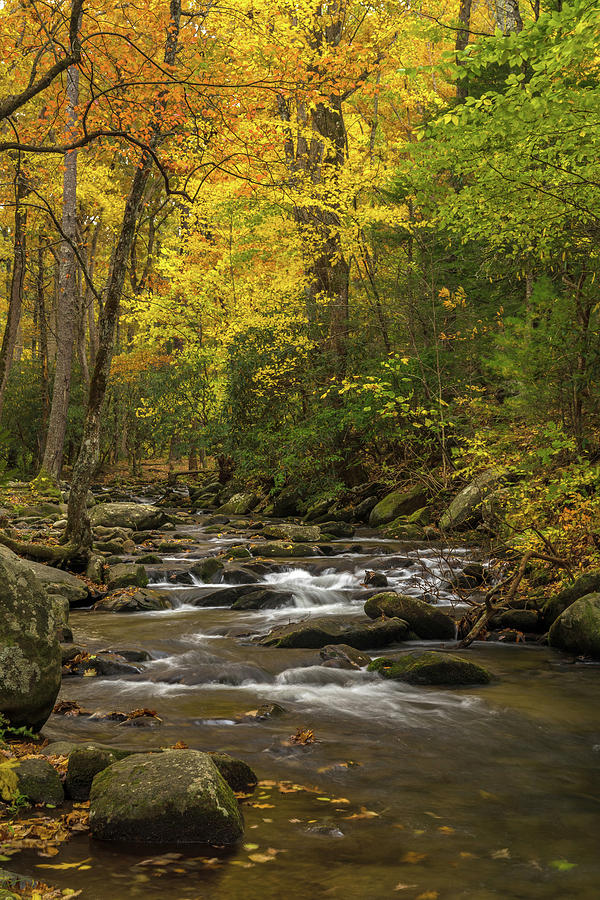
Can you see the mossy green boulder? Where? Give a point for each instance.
(585, 584)
(239, 504)
(301, 534)
(282, 549)
(175, 797)
(238, 774)
(138, 516)
(126, 575)
(398, 503)
(83, 766)
(425, 620)
(429, 667)
(39, 782)
(466, 508)
(30, 658)
(577, 629)
(207, 569)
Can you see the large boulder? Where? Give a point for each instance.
(30, 658)
(302, 534)
(577, 629)
(316, 633)
(424, 619)
(585, 584)
(398, 503)
(174, 797)
(207, 570)
(466, 508)
(83, 766)
(239, 505)
(137, 516)
(429, 667)
(63, 583)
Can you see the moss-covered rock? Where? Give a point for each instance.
(84, 764)
(238, 774)
(126, 575)
(425, 620)
(39, 782)
(140, 600)
(207, 570)
(577, 629)
(585, 584)
(239, 504)
(30, 658)
(398, 503)
(466, 508)
(317, 633)
(302, 534)
(175, 797)
(138, 516)
(429, 667)
(282, 550)
(519, 619)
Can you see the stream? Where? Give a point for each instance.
(487, 792)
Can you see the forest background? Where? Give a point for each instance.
(320, 243)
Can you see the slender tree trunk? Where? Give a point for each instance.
(462, 39)
(15, 300)
(68, 300)
(43, 349)
(78, 529)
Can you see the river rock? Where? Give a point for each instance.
(429, 667)
(207, 570)
(137, 516)
(281, 549)
(344, 656)
(301, 534)
(585, 584)
(239, 505)
(84, 764)
(425, 620)
(287, 503)
(264, 598)
(398, 503)
(39, 782)
(58, 582)
(523, 620)
(465, 509)
(30, 658)
(140, 600)
(126, 575)
(316, 633)
(318, 509)
(174, 797)
(238, 774)
(577, 629)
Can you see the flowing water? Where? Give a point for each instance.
(477, 793)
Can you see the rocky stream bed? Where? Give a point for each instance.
(472, 786)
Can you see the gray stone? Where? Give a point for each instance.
(137, 516)
(126, 575)
(425, 620)
(305, 534)
(398, 503)
(141, 600)
(577, 629)
(429, 667)
(39, 782)
(317, 633)
(465, 509)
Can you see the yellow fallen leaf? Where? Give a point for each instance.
(501, 854)
(404, 887)
(428, 895)
(75, 865)
(446, 829)
(261, 857)
(250, 847)
(412, 857)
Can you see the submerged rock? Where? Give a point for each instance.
(429, 667)
(138, 516)
(577, 629)
(425, 620)
(174, 797)
(30, 657)
(317, 633)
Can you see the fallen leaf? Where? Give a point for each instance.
(411, 857)
(501, 854)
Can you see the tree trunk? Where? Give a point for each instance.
(68, 301)
(15, 300)
(462, 39)
(78, 529)
(43, 349)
